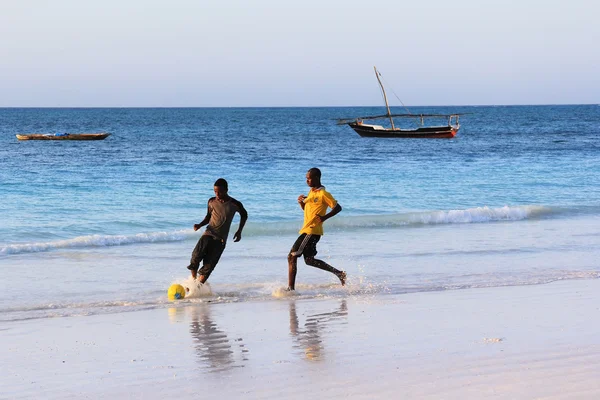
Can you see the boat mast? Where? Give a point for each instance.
(384, 97)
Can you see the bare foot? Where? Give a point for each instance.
(342, 277)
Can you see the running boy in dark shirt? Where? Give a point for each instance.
(315, 213)
(219, 216)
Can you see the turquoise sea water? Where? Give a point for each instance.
(105, 226)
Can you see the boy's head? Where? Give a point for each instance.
(220, 188)
(313, 177)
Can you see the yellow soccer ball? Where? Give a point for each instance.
(176, 292)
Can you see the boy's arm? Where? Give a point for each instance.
(206, 219)
(330, 214)
(301, 200)
(243, 218)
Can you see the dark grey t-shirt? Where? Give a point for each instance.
(221, 215)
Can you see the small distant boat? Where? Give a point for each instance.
(379, 131)
(63, 136)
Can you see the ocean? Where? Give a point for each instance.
(100, 227)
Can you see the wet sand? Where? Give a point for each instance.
(510, 342)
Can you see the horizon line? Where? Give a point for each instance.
(256, 107)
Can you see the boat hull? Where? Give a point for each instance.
(70, 136)
(434, 132)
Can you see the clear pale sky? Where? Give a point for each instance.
(208, 53)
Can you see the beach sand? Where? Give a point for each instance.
(524, 342)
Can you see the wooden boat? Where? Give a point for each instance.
(432, 132)
(63, 136)
(379, 131)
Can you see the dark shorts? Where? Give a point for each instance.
(208, 250)
(305, 245)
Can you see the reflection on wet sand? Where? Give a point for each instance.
(309, 340)
(215, 350)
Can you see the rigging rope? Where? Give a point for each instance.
(406, 108)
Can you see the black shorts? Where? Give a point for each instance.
(208, 250)
(305, 245)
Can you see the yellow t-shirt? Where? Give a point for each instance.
(316, 204)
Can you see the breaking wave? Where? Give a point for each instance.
(403, 220)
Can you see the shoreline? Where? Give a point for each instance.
(502, 342)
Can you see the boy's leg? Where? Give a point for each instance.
(214, 249)
(292, 270)
(310, 252)
(313, 262)
(293, 255)
(197, 256)
(203, 278)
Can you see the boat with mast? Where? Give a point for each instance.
(379, 131)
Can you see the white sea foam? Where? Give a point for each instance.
(358, 288)
(470, 215)
(195, 289)
(96, 241)
(282, 292)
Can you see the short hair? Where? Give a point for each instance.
(315, 171)
(222, 183)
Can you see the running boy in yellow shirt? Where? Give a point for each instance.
(315, 213)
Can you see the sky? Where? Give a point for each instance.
(277, 53)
